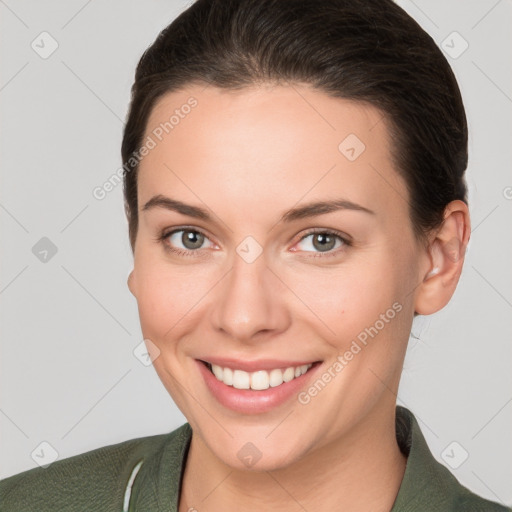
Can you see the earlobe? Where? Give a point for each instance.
(446, 258)
(130, 283)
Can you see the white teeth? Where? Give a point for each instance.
(241, 379)
(260, 379)
(217, 371)
(227, 376)
(276, 378)
(288, 374)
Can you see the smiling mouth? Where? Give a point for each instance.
(260, 379)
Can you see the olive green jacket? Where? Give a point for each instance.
(144, 475)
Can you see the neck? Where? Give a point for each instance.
(359, 471)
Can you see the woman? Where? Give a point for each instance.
(294, 187)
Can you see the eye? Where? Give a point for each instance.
(185, 241)
(322, 242)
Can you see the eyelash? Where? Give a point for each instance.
(193, 253)
(180, 252)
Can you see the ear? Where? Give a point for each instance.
(131, 284)
(443, 264)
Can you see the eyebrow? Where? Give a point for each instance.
(301, 212)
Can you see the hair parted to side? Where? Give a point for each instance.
(363, 50)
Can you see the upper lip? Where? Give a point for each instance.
(252, 366)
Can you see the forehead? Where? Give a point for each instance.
(279, 144)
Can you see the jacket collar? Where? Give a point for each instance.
(426, 484)
(157, 485)
(425, 481)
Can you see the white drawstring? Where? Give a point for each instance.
(128, 491)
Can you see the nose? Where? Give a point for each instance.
(250, 302)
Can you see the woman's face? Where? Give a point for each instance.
(228, 270)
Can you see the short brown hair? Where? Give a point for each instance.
(363, 50)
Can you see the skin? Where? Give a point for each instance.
(248, 156)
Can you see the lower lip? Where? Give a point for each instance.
(250, 401)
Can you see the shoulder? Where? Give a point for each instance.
(427, 484)
(458, 497)
(470, 502)
(95, 480)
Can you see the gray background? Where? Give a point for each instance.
(69, 325)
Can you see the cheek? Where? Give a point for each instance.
(360, 310)
(171, 298)
(347, 299)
